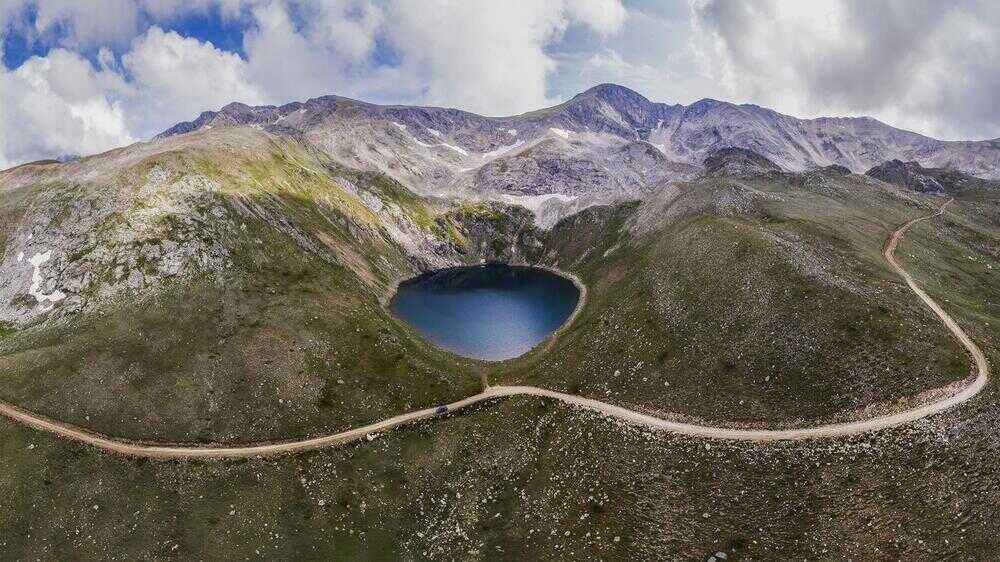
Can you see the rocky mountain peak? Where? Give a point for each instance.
(236, 108)
(702, 106)
(613, 109)
(928, 180)
(736, 162)
(614, 94)
(907, 174)
(834, 170)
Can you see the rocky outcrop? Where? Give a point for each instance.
(739, 163)
(834, 171)
(79, 248)
(928, 180)
(906, 174)
(546, 168)
(494, 232)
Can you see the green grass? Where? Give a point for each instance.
(290, 339)
(781, 314)
(516, 479)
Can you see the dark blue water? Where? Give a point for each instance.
(491, 312)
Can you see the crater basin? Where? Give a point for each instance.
(491, 312)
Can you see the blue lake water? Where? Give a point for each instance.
(490, 312)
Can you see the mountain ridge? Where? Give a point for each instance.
(606, 114)
(605, 91)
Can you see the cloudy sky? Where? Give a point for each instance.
(82, 76)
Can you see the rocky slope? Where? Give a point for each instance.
(120, 226)
(929, 180)
(244, 270)
(607, 142)
(739, 163)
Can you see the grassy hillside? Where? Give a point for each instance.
(271, 327)
(747, 302)
(522, 479)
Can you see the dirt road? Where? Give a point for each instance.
(831, 430)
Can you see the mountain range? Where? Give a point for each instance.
(606, 141)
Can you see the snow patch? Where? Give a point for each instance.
(401, 126)
(512, 131)
(20, 257)
(36, 281)
(534, 202)
(434, 132)
(503, 149)
(455, 148)
(444, 144)
(282, 117)
(561, 132)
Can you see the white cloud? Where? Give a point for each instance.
(488, 57)
(283, 61)
(177, 77)
(86, 24)
(484, 57)
(8, 10)
(603, 16)
(914, 63)
(166, 10)
(346, 28)
(608, 65)
(60, 105)
(90, 23)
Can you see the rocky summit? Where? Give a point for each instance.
(928, 180)
(739, 163)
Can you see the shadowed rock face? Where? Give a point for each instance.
(927, 180)
(907, 174)
(835, 170)
(739, 163)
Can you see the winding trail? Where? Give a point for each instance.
(831, 430)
